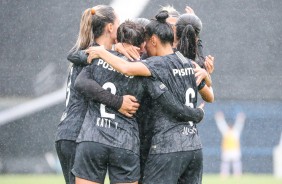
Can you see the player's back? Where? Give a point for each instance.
(105, 125)
(176, 73)
(76, 107)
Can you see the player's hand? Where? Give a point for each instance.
(201, 106)
(93, 52)
(209, 63)
(189, 10)
(128, 50)
(200, 73)
(129, 106)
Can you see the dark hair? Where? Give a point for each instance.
(142, 21)
(188, 28)
(160, 28)
(102, 15)
(131, 33)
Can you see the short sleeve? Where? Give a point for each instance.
(155, 88)
(155, 66)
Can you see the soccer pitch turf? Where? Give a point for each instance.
(207, 179)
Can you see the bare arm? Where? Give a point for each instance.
(239, 122)
(119, 64)
(207, 94)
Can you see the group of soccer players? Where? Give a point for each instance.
(135, 120)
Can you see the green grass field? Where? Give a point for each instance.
(207, 179)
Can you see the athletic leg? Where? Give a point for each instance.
(66, 153)
(90, 164)
(225, 163)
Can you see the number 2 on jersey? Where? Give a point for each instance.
(104, 114)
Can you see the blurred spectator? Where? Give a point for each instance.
(230, 146)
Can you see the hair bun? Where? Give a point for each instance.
(162, 16)
(93, 11)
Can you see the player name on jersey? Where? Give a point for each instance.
(106, 123)
(109, 67)
(183, 71)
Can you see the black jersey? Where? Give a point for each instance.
(176, 73)
(76, 107)
(106, 125)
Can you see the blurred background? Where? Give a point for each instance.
(243, 36)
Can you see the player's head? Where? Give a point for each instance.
(85, 36)
(188, 28)
(104, 22)
(158, 34)
(142, 21)
(173, 14)
(132, 33)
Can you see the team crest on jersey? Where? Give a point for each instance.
(162, 86)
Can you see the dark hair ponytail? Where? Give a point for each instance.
(160, 28)
(101, 16)
(187, 42)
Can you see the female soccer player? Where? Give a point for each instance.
(188, 27)
(76, 104)
(176, 148)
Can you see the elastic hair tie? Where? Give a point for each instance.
(93, 11)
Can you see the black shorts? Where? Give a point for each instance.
(180, 167)
(66, 153)
(93, 159)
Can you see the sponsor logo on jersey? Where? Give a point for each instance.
(183, 71)
(109, 67)
(189, 130)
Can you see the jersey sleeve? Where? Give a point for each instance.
(155, 65)
(154, 88)
(78, 57)
(85, 84)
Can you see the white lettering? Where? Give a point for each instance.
(109, 67)
(189, 131)
(183, 71)
(106, 123)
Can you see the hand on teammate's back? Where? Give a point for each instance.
(201, 106)
(93, 53)
(129, 106)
